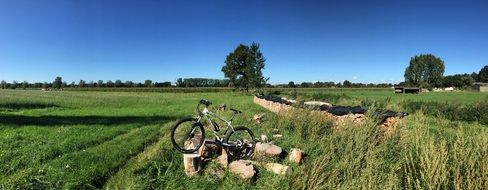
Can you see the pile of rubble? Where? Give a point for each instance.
(340, 114)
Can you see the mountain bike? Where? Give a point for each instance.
(188, 134)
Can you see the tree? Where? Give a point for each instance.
(58, 81)
(45, 85)
(82, 83)
(243, 67)
(306, 84)
(3, 84)
(347, 84)
(458, 80)
(129, 83)
(483, 74)
(118, 83)
(14, 85)
(474, 75)
(100, 83)
(425, 70)
(291, 84)
(148, 83)
(110, 83)
(25, 84)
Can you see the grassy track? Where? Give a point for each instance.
(73, 139)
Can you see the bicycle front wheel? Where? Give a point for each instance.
(241, 143)
(187, 135)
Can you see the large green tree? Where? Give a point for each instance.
(243, 67)
(425, 70)
(483, 74)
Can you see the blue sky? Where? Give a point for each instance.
(361, 41)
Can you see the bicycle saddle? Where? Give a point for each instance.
(205, 102)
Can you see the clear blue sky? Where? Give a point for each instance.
(362, 41)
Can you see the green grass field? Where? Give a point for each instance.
(119, 140)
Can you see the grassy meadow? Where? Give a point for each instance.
(120, 140)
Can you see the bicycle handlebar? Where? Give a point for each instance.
(207, 103)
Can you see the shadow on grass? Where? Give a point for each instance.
(17, 120)
(19, 106)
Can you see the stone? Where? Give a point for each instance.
(242, 168)
(278, 168)
(192, 143)
(264, 139)
(389, 121)
(222, 107)
(296, 155)
(193, 164)
(267, 149)
(277, 135)
(258, 118)
(209, 148)
(223, 159)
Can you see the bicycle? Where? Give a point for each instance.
(188, 134)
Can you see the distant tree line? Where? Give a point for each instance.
(202, 82)
(320, 84)
(58, 83)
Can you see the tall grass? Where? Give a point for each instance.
(413, 157)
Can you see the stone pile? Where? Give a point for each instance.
(245, 169)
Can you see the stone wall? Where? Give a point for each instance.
(282, 109)
(272, 106)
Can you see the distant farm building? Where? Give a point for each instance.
(408, 90)
(481, 87)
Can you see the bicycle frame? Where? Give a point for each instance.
(207, 114)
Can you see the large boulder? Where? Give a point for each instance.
(267, 149)
(242, 168)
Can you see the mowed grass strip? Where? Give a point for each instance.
(88, 168)
(31, 145)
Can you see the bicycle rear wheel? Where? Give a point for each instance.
(187, 135)
(242, 143)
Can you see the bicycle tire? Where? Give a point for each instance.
(194, 123)
(240, 155)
